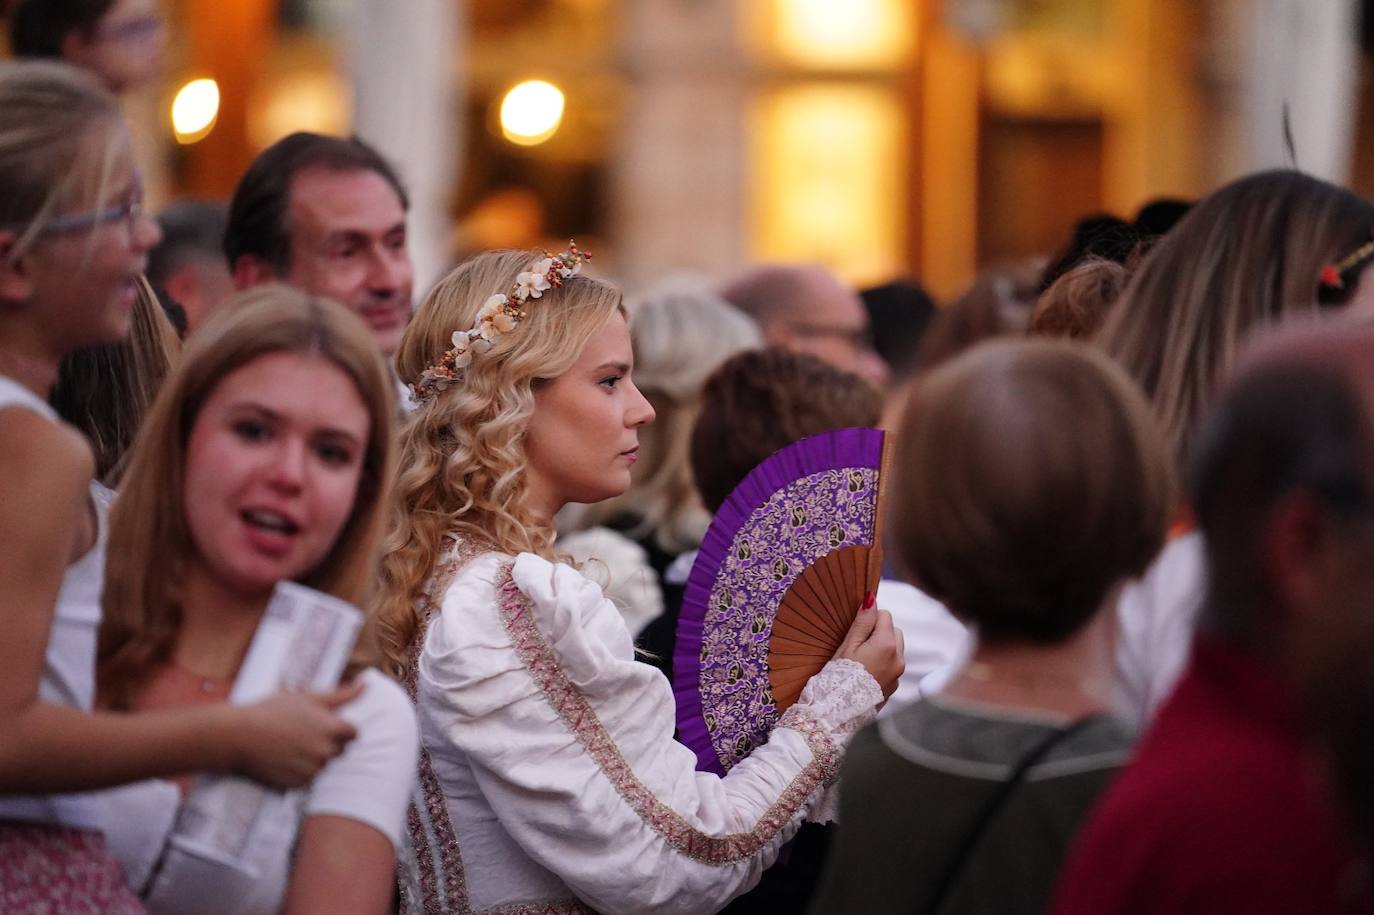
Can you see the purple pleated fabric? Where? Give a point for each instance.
(815, 496)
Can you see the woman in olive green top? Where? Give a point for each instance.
(1029, 481)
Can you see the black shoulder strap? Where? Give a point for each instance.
(995, 803)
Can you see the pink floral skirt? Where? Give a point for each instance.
(52, 870)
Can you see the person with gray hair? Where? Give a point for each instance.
(806, 308)
(187, 269)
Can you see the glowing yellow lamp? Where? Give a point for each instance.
(853, 33)
(531, 112)
(194, 110)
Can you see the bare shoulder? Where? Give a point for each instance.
(46, 470)
(36, 450)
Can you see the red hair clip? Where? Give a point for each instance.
(1331, 273)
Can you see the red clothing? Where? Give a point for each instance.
(1220, 811)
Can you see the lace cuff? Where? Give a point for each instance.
(838, 700)
(842, 698)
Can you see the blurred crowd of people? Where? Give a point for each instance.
(1118, 660)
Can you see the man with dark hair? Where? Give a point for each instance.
(1222, 811)
(328, 215)
(187, 269)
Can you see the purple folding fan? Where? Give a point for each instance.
(784, 568)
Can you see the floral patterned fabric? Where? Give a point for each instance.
(811, 517)
(47, 870)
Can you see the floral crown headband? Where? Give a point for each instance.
(1331, 273)
(499, 315)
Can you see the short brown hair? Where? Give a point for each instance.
(38, 27)
(763, 400)
(1028, 479)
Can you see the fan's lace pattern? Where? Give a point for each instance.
(540, 660)
(801, 522)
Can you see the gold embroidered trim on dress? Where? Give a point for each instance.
(578, 714)
(429, 797)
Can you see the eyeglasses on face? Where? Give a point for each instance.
(129, 211)
(858, 337)
(131, 31)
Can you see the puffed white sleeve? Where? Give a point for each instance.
(570, 739)
(371, 780)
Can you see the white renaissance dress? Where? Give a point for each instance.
(550, 781)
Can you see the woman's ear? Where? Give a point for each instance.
(16, 276)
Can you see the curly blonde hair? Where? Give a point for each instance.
(462, 452)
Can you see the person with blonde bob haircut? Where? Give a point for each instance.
(73, 240)
(1260, 249)
(549, 777)
(266, 457)
(1029, 481)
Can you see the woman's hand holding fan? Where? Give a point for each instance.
(776, 590)
(878, 645)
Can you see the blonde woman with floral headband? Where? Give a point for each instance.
(549, 778)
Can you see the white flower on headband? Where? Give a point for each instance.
(531, 285)
(491, 306)
(499, 314)
(462, 355)
(494, 320)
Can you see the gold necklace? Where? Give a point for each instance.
(207, 685)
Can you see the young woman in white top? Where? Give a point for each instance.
(549, 778)
(73, 239)
(266, 457)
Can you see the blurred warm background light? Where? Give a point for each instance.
(827, 165)
(843, 35)
(194, 110)
(313, 98)
(531, 112)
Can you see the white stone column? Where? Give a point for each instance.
(406, 64)
(1302, 52)
(680, 161)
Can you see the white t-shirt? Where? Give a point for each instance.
(369, 782)
(68, 676)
